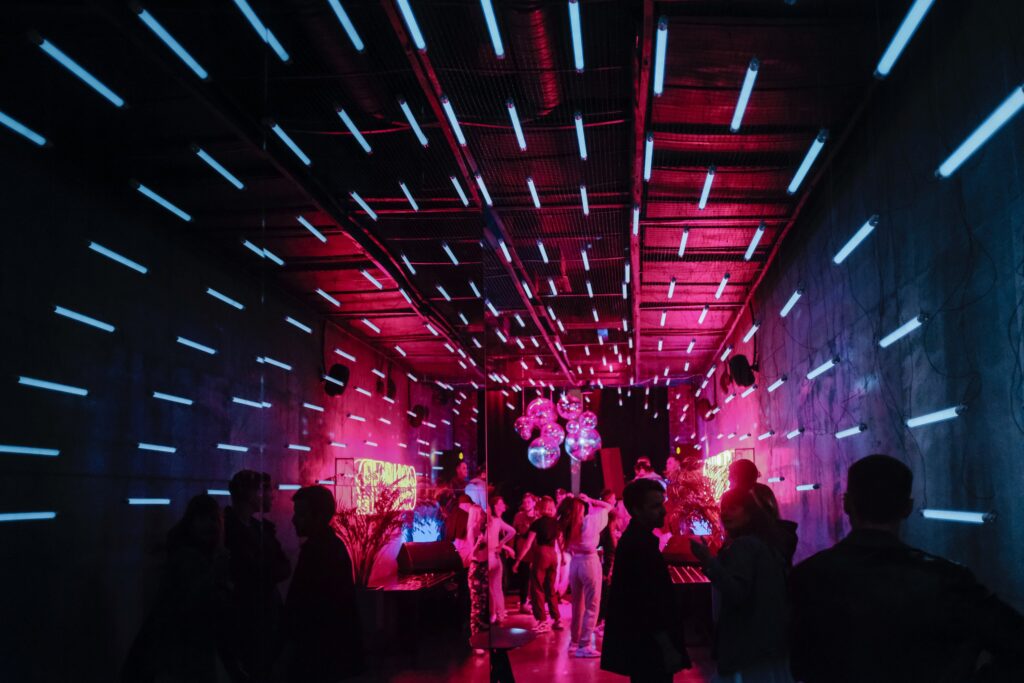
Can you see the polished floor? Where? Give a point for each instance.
(545, 659)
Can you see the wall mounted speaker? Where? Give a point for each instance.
(741, 371)
(420, 413)
(339, 374)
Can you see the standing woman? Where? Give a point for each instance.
(582, 525)
(476, 559)
(544, 535)
(749, 574)
(499, 534)
(526, 516)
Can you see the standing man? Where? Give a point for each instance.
(526, 516)
(256, 565)
(872, 608)
(323, 637)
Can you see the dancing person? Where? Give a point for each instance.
(642, 469)
(872, 608)
(477, 560)
(257, 565)
(541, 539)
(562, 573)
(323, 634)
(526, 516)
(644, 628)
(749, 578)
(499, 534)
(581, 533)
(185, 637)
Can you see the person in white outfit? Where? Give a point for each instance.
(581, 532)
(499, 534)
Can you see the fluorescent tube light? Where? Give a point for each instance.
(721, 286)
(533, 191)
(346, 23)
(458, 188)
(287, 140)
(351, 125)
(362, 203)
(146, 192)
(262, 31)
(577, 34)
(84, 319)
(636, 219)
(682, 242)
(219, 168)
(516, 125)
(583, 199)
(648, 156)
(149, 501)
(410, 23)
(660, 48)
(754, 241)
(937, 416)
(824, 367)
(902, 331)
(172, 398)
(805, 165)
(857, 238)
(505, 251)
(707, 188)
(580, 138)
(777, 383)
(80, 72)
(996, 120)
(795, 433)
(22, 130)
(328, 297)
(143, 446)
(745, 90)
(29, 450)
(453, 120)
(169, 40)
(915, 15)
(413, 123)
(962, 516)
(752, 331)
(184, 341)
(793, 298)
(851, 431)
(483, 189)
(369, 324)
(302, 326)
(703, 314)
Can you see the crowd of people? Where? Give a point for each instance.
(219, 614)
(869, 609)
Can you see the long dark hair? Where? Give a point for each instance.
(760, 522)
(570, 519)
(181, 534)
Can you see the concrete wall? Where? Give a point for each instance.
(951, 247)
(76, 588)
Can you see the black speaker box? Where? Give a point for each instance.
(435, 556)
(742, 374)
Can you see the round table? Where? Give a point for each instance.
(498, 641)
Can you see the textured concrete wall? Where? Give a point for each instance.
(76, 587)
(953, 248)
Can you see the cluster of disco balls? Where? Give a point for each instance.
(579, 436)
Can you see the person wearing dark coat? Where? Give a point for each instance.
(643, 636)
(257, 564)
(749, 579)
(872, 608)
(323, 639)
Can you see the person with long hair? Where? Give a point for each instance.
(749, 575)
(581, 526)
(499, 534)
(544, 535)
(184, 638)
(526, 516)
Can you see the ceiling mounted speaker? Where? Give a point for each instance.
(741, 371)
(420, 413)
(336, 380)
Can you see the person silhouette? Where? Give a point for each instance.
(184, 637)
(872, 608)
(323, 639)
(257, 565)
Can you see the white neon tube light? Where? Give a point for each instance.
(776, 480)
(902, 331)
(363, 205)
(29, 450)
(492, 29)
(805, 165)
(262, 31)
(533, 191)
(172, 398)
(526, 288)
(766, 435)
(664, 317)
(347, 356)
(851, 431)
(298, 447)
(369, 324)
(671, 287)
(636, 219)
(745, 90)
(84, 319)
(287, 140)
(169, 40)
(648, 156)
(405, 295)
(347, 25)
(444, 293)
(410, 23)
(543, 251)
(660, 48)
(854, 241)
(114, 256)
(216, 166)
(163, 202)
(453, 120)
(218, 492)
(491, 308)
(288, 487)
(751, 389)
(682, 242)
(476, 291)
(721, 286)
(752, 331)
(309, 226)
(590, 289)
(594, 311)
(626, 269)
(302, 326)
(272, 256)
(577, 34)
(505, 251)
(586, 261)
(483, 189)
(516, 125)
(793, 298)
(711, 371)
(276, 363)
(149, 501)
(354, 131)
(937, 416)
(26, 516)
(463, 318)
(625, 291)
(413, 123)
(795, 433)
(22, 130)
(823, 368)
(184, 341)
(689, 347)
(703, 314)
(580, 138)
(996, 120)
(328, 297)
(777, 383)
(583, 199)
(915, 15)
(808, 487)
(962, 516)
(157, 448)
(80, 72)
(754, 241)
(706, 192)
(247, 402)
(725, 353)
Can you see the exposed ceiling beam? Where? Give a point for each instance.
(641, 81)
